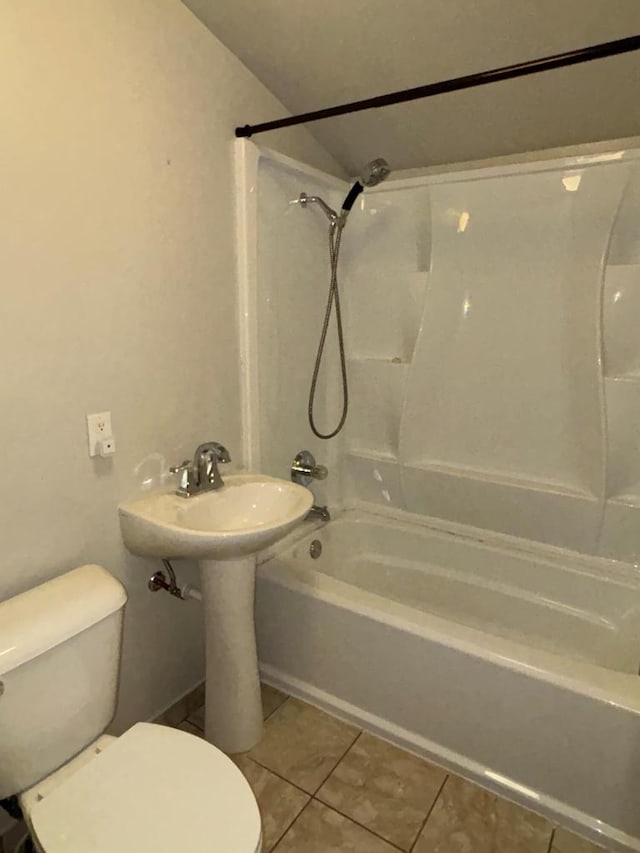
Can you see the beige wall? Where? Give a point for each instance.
(118, 290)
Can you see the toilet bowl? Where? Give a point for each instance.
(153, 788)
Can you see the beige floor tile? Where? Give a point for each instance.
(321, 830)
(566, 842)
(196, 717)
(181, 709)
(271, 700)
(303, 744)
(466, 818)
(280, 803)
(195, 699)
(384, 788)
(174, 715)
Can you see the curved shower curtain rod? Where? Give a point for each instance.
(508, 72)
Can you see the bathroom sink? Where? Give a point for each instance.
(222, 529)
(248, 513)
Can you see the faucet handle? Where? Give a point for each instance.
(304, 469)
(186, 471)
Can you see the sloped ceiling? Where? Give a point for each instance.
(317, 54)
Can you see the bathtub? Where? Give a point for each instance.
(511, 663)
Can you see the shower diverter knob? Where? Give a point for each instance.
(304, 469)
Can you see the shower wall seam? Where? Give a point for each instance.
(602, 372)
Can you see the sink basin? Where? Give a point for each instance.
(248, 513)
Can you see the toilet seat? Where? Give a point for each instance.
(154, 788)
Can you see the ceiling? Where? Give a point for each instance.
(318, 54)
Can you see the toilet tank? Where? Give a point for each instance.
(59, 662)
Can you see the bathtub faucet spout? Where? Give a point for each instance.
(321, 512)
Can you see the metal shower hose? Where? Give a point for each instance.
(335, 236)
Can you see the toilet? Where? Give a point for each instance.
(152, 788)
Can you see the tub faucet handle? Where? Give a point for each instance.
(304, 469)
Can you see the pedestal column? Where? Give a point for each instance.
(233, 706)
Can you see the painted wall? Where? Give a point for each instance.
(118, 291)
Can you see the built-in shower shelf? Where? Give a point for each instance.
(629, 498)
(396, 361)
(493, 477)
(372, 454)
(631, 376)
(624, 267)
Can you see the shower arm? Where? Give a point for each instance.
(303, 200)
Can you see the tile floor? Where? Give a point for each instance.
(325, 786)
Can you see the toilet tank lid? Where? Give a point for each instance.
(43, 617)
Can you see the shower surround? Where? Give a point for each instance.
(494, 369)
(493, 357)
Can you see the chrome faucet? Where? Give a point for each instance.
(202, 474)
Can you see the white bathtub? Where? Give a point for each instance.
(513, 664)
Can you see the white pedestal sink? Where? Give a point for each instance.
(222, 529)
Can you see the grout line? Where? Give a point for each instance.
(432, 807)
(551, 840)
(293, 822)
(351, 819)
(287, 827)
(275, 710)
(295, 784)
(275, 773)
(188, 719)
(339, 761)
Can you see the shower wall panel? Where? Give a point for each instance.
(621, 316)
(386, 261)
(291, 286)
(482, 315)
(505, 376)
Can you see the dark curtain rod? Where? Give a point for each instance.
(508, 72)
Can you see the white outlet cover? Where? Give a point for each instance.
(98, 428)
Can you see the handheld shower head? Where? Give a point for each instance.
(373, 174)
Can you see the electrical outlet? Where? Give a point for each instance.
(98, 429)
